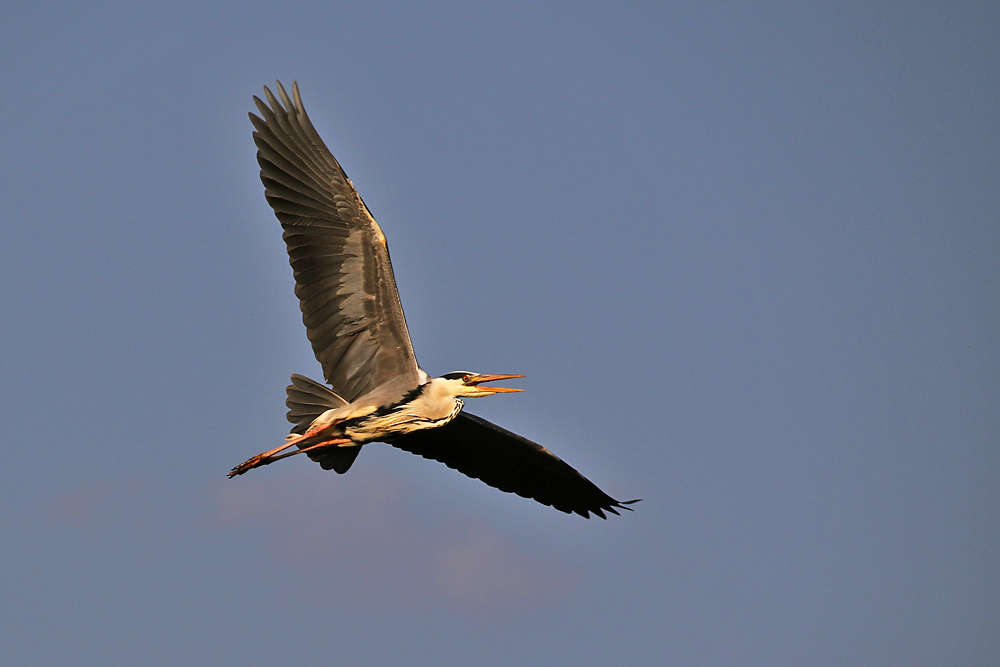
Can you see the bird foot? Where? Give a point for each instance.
(252, 462)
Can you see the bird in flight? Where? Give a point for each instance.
(354, 320)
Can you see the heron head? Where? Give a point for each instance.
(471, 384)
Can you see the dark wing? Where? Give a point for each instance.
(343, 276)
(506, 461)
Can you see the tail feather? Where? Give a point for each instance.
(307, 400)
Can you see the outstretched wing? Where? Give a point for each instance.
(339, 256)
(508, 462)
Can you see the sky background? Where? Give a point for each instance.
(747, 254)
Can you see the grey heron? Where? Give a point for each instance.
(354, 320)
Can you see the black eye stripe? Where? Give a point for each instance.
(457, 375)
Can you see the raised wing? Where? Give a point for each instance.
(339, 256)
(508, 462)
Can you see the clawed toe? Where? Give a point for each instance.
(246, 465)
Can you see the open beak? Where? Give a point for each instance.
(477, 380)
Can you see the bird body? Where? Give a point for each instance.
(354, 320)
(375, 416)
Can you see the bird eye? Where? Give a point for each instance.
(466, 379)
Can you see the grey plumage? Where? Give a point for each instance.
(307, 400)
(343, 276)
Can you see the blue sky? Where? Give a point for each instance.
(746, 255)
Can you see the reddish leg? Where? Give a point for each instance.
(271, 456)
(328, 443)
